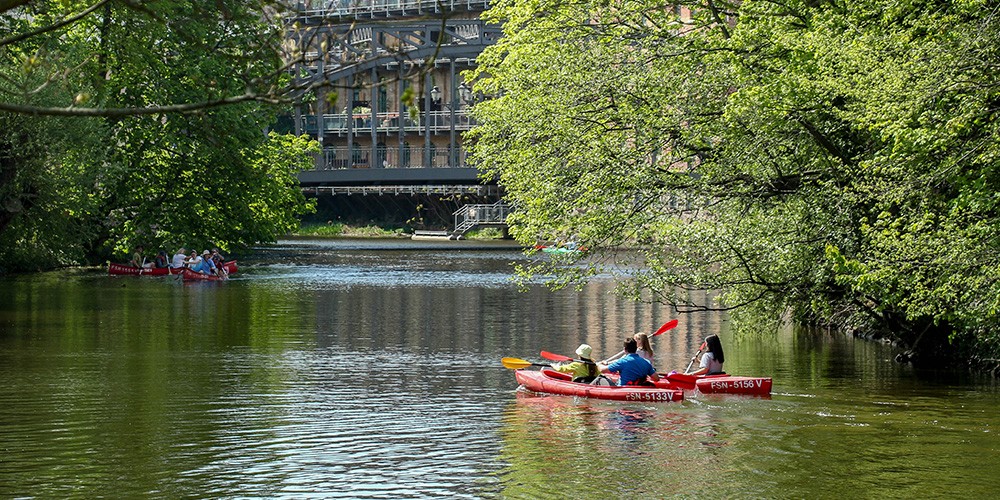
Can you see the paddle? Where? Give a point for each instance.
(683, 380)
(669, 325)
(702, 348)
(559, 357)
(517, 364)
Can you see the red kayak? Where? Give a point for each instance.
(128, 270)
(190, 275)
(717, 384)
(553, 382)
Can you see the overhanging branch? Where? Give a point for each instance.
(152, 110)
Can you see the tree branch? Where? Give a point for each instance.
(45, 29)
(120, 112)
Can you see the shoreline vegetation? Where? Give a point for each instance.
(340, 230)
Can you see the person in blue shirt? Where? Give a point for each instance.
(205, 266)
(631, 368)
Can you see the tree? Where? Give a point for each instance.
(832, 161)
(163, 141)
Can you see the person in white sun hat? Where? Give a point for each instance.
(583, 369)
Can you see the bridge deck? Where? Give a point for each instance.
(388, 176)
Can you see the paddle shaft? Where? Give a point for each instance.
(694, 357)
(517, 363)
(669, 325)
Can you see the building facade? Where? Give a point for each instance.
(382, 89)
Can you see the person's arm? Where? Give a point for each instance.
(563, 367)
(700, 371)
(613, 358)
(705, 361)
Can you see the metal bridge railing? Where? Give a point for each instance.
(321, 9)
(338, 158)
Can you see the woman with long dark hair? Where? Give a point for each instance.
(712, 358)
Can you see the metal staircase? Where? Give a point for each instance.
(470, 217)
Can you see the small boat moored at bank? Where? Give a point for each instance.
(569, 250)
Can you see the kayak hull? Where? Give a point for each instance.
(190, 275)
(128, 270)
(718, 384)
(560, 250)
(755, 386)
(551, 382)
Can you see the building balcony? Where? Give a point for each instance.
(389, 123)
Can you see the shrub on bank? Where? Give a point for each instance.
(334, 229)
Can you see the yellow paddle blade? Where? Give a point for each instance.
(515, 363)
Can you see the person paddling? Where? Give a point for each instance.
(138, 260)
(583, 369)
(712, 358)
(204, 264)
(644, 350)
(179, 258)
(161, 260)
(632, 369)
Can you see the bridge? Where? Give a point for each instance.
(384, 97)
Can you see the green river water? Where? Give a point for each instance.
(371, 369)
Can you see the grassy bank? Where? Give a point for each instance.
(337, 229)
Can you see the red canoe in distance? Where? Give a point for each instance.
(127, 270)
(190, 275)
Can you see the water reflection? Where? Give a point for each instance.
(371, 370)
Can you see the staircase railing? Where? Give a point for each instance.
(471, 216)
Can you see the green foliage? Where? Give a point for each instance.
(47, 206)
(832, 161)
(329, 230)
(335, 229)
(96, 187)
(486, 233)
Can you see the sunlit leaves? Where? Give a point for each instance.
(837, 161)
(209, 177)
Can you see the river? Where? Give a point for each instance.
(371, 369)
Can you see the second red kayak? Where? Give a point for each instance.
(718, 384)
